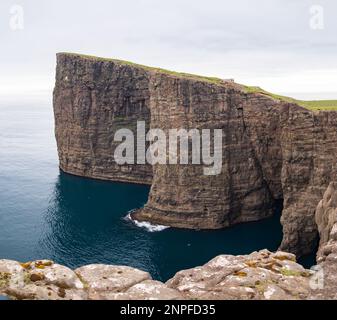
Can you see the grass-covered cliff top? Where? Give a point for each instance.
(314, 105)
(213, 80)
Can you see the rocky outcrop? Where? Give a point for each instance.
(326, 218)
(259, 276)
(271, 149)
(45, 280)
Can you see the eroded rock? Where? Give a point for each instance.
(260, 275)
(99, 277)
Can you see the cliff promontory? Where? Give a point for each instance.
(273, 149)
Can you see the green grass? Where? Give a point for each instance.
(213, 80)
(317, 105)
(314, 105)
(289, 273)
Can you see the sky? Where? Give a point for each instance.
(284, 46)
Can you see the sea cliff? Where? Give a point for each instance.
(273, 149)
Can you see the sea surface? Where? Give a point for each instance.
(46, 214)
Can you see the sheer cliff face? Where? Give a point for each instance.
(91, 102)
(181, 195)
(271, 149)
(326, 219)
(309, 148)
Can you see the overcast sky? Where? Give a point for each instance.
(276, 44)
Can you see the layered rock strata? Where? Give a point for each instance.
(91, 102)
(271, 149)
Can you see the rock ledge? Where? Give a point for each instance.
(259, 276)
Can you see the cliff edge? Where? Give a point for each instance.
(273, 149)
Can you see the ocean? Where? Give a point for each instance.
(47, 214)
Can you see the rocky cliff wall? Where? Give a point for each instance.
(92, 100)
(271, 149)
(309, 151)
(326, 219)
(250, 180)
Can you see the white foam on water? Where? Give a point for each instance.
(146, 225)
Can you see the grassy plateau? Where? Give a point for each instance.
(314, 105)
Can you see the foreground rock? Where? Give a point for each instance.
(45, 280)
(105, 282)
(260, 276)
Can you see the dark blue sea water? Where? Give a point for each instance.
(75, 221)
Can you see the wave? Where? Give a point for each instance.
(146, 225)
